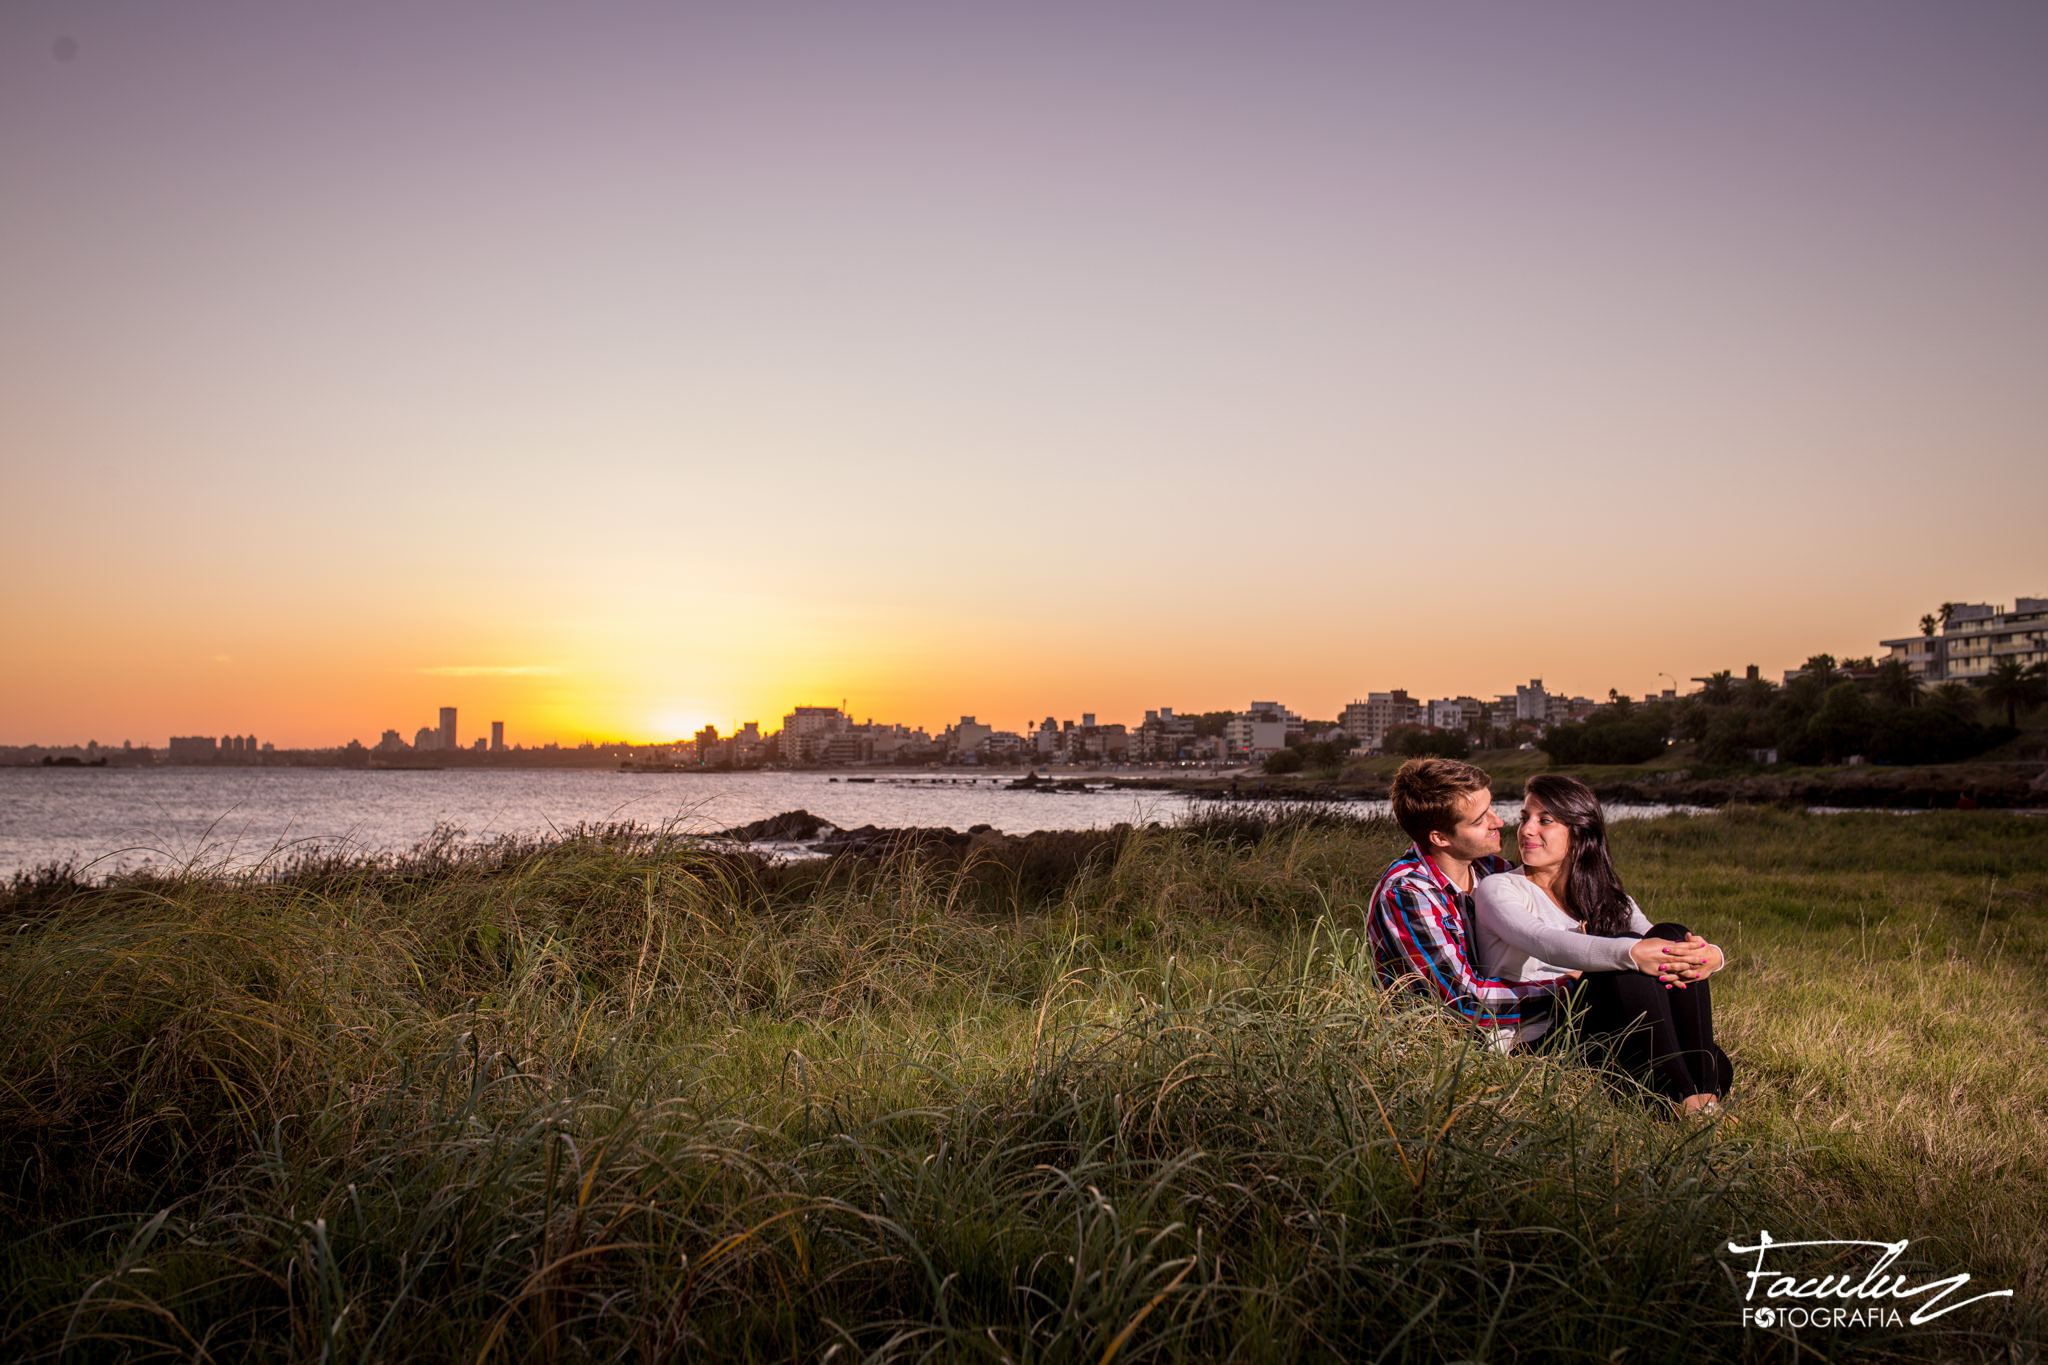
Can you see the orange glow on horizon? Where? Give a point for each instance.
(772, 361)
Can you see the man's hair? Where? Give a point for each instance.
(1427, 791)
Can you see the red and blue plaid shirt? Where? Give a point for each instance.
(1422, 931)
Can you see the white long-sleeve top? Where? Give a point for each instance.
(1523, 933)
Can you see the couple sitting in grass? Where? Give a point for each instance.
(1550, 952)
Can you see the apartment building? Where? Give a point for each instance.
(747, 745)
(1974, 639)
(808, 730)
(1162, 737)
(1368, 721)
(1453, 713)
(1254, 735)
(968, 737)
(193, 748)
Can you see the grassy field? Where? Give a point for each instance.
(1128, 1096)
(2009, 778)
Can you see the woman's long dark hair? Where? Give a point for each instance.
(1592, 888)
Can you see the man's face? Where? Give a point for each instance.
(1477, 833)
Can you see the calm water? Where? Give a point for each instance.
(169, 816)
(119, 818)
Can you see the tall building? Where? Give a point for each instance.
(448, 728)
(1254, 734)
(747, 745)
(807, 730)
(1273, 710)
(969, 736)
(193, 749)
(712, 750)
(1368, 721)
(497, 736)
(427, 737)
(1162, 737)
(1975, 637)
(1262, 728)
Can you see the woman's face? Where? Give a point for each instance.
(1544, 838)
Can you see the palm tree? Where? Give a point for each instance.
(1956, 697)
(1821, 667)
(1896, 683)
(1928, 623)
(1720, 688)
(2016, 689)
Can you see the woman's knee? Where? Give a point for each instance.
(1633, 991)
(1670, 929)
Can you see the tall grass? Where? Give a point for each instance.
(1112, 1096)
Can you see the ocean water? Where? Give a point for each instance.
(121, 818)
(117, 818)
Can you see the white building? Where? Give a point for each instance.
(1162, 736)
(1296, 726)
(1368, 721)
(968, 737)
(1254, 735)
(809, 730)
(1974, 639)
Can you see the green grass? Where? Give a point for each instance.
(1120, 1096)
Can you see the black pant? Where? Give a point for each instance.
(1663, 1038)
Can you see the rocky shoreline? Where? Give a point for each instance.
(799, 845)
(799, 830)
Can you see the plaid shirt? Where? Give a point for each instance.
(1421, 926)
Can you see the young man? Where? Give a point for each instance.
(1421, 919)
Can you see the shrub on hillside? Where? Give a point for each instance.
(1416, 742)
(1284, 761)
(1324, 753)
(1841, 727)
(1734, 733)
(1932, 734)
(1604, 739)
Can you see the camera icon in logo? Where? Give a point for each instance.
(1765, 1317)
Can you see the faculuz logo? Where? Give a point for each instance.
(1843, 1298)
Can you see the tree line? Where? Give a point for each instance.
(1829, 712)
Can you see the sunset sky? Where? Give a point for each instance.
(612, 369)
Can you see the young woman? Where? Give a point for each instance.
(1640, 996)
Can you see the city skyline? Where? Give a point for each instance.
(1960, 642)
(638, 369)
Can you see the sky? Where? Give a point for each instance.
(613, 369)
